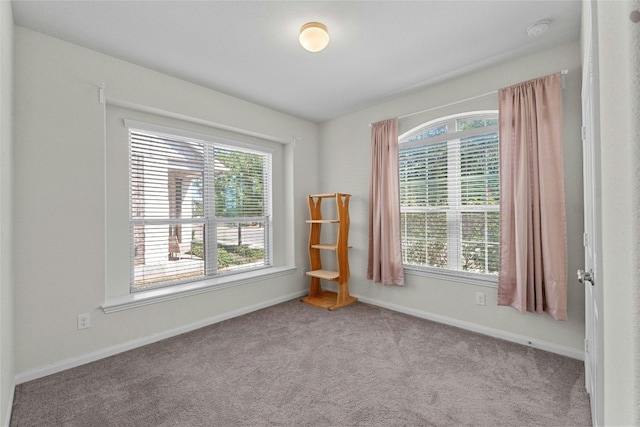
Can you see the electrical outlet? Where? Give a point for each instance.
(84, 321)
(480, 298)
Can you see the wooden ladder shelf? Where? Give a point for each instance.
(317, 296)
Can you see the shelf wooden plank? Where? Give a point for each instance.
(323, 221)
(324, 274)
(325, 247)
(328, 300)
(328, 247)
(327, 195)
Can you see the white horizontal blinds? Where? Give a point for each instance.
(166, 209)
(195, 210)
(242, 209)
(480, 203)
(423, 198)
(449, 195)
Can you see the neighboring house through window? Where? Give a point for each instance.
(450, 196)
(198, 208)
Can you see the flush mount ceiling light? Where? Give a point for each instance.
(314, 36)
(537, 28)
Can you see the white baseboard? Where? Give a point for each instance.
(7, 419)
(496, 333)
(73, 362)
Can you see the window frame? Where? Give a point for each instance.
(210, 220)
(411, 139)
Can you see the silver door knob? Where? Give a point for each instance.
(585, 276)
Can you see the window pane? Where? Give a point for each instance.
(162, 173)
(166, 253)
(241, 245)
(437, 239)
(480, 241)
(473, 257)
(423, 175)
(424, 238)
(430, 133)
(493, 258)
(479, 170)
(413, 177)
(467, 123)
(196, 194)
(414, 232)
(239, 185)
(437, 174)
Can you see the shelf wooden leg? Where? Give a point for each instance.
(315, 289)
(343, 293)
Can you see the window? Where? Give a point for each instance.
(198, 209)
(450, 195)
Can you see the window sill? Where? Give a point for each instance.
(153, 296)
(453, 276)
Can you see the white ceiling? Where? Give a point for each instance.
(250, 49)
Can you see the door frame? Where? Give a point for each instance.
(594, 350)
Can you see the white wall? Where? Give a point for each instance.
(58, 164)
(619, 62)
(345, 159)
(6, 235)
(60, 200)
(60, 210)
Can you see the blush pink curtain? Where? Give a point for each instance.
(533, 237)
(385, 248)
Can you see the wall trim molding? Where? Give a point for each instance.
(484, 330)
(73, 362)
(167, 293)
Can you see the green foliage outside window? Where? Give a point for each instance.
(239, 189)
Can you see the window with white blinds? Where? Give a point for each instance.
(450, 194)
(198, 209)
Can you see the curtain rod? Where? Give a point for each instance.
(472, 98)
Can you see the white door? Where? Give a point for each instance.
(589, 276)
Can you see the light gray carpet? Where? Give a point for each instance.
(293, 364)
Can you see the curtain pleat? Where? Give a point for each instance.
(385, 245)
(533, 237)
